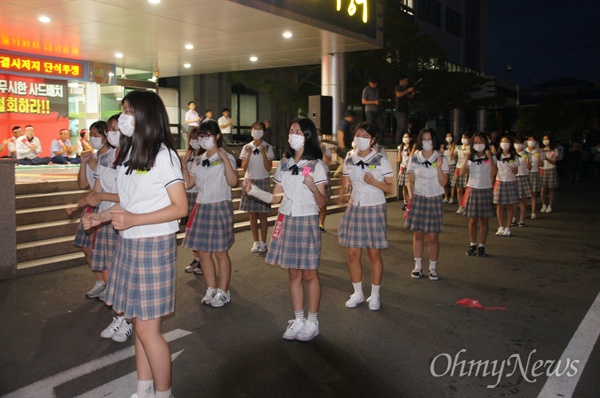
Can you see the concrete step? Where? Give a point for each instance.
(51, 263)
(29, 201)
(48, 230)
(36, 250)
(42, 215)
(46, 187)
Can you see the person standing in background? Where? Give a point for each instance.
(344, 138)
(191, 116)
(403, 94)
(371, 101)
(226, 124)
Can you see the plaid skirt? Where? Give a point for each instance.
(479, 203)
(364, 226)
(210, 227)
(534, 180)
(402, 177)
(84, 239)
(425, 214)
(451, 172)
(549, 178)
(298, 245)
(523, 187)
(141, 283)
(104, 248)
(253, 205)
(459, 181)
(505, 192)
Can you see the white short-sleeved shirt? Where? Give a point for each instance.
(447, 155)
(523, 163)
(535, 157)
(210, 178)
(59, 145)
(192, 114)
(298, 200)
(106, 174)
(426, 174)
(145, 191)
(12, 146)
(224, 120)
(256, 167)
(190, 166)
(404, 151)
(462, 151)
(549, 154)
(24, 151)
(480, 172)
(505, 166)
(355, 168)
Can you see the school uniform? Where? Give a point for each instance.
(479, 202)
(404, 151)
(549, 177)
(523, 183)
(85, 239)
(534, 173)
(425, 213)
(210, 226)
(327, 153)
(505, 189)
(364, 223)
(141, 283)
(258, 174)
(451, 163)
(296, 239)
(459, 181)
(106, 239)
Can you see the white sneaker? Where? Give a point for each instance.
(433, 275)
(355, 299)
(262, 247)
(124, 331)
(98, 288)
(549, 209)
(506, 231)
(543, 209)
(309, 331)
(533, 216)
(255, 247)
(445, 200)
(220, 299)
(416, 273)
(294, 327)
(111, 329)
(450, 201)
(102, 296)
(500, 231)
(460, 211)
(210, 293)
(374, 303)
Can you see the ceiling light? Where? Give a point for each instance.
(189, 46)
(73, 85)
(119, 55)
(153, 1)
(187, 65)
(287, 34)
(44, 19)
(253, 58)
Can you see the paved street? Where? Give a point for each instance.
(546, 276)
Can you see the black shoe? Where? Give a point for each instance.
(481, 251)
(322, 228)
(472, 250)
(193, 266)
(404, 207)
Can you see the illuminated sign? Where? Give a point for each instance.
(14, 91)
(41, 66)
(352, 8)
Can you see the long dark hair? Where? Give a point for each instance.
(100, 126)
(211, 127)
(150, 132)
(512, 152)
(370, 128)
(312, 149)
(484, 137)
(434, 139)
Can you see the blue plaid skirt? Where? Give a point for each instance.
(505, 192)
(523, 187)
(480, 203)
(298, 245)
(425, 214)
(451, 172)
(253, 205)
(534, 180)
(402, 177)
(104, 248)
(141, 283)
(364, 226)
(549, 178)
(459, 181)
(84, 239)
(210, 227)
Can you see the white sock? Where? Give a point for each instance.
(418, 263)
(473, 243)
(375, 290)
(145, 389)
(432, 264)
(299, 314)
(481, 245)
(312, 316)
(164, 394)
(358, 288)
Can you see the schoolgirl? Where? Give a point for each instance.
(404, 151)
(534, 153)
(427, 176)
(459, 180)
(369, 177)
(481, 166)
(449, 149)
(210, 226)
(152, 198)
(327, 160)
(300, 181)
(523, 183)
(505, 189)
(549, 177)
(257, 160)
(193, 151)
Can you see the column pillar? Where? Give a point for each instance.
(8, 220)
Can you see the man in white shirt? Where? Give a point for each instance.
(11, 143)
(225, 124)
(61, 149)
(191, 116)
(29, 147)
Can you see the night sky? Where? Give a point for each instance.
(544, 40)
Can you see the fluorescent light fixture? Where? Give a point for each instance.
(253, 58)
(119, 55)
(73, 85)
(153, 1)
(287, 34)
(189, 46)
(44, 19)
(187, 66)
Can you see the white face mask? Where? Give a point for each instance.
(546, 142)
(362, 144)
(479, 147)
(406, 140)
(296, 141)
(257, 134)
(96, 142)
(465, 141)
(113, 138)
(505, 145)
(449, 139)
(518, 147)
(531, 143)
(320, 138)
(126, 124)
(195, 144)
(427, 145)
(207, 143)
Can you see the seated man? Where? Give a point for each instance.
(29, 147)
(11, 143)
(61, 149)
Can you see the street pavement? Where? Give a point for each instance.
(546, 276)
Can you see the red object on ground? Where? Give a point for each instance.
(470, 303)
